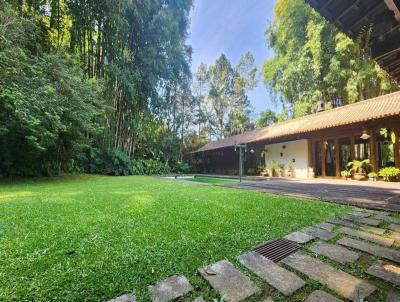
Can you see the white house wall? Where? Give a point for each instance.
(294, 153)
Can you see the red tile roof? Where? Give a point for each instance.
(372, 109)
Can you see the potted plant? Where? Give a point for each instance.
(390, 173)
(290, 170)
(281, 170)
(359, 168)
(372, 176)
(311, 173)
(262, 171)
(345, 174)
(273, 168)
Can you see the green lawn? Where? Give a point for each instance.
(93, 238)
(212, 180)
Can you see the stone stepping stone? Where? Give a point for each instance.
(342, 222)
(373, 211)
(360, 214)
(356, 219)
(321, 296)
(231, 283)
(279, 278)
(124, 298)
(385, 271)
(367, 236)
(372, 229)
(388, 218)
(394, 227)
(393, 297)
(395, 236)
(326, 226)
(170, 289)
(372, 249)
(346, 285)
(335, 252)
(316, 232)
(199, 299)
(299, 237)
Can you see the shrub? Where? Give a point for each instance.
(372, 175)
(149, 167)
(389, 173)
(345, 174)
(182, 168)
(106, 162)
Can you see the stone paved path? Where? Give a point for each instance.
(386, 271)
(321, 296)
(232, 284)
(170, 289)
(372, 249)
(284, 281)
(346, 285)
(367, 236)
(335, 252)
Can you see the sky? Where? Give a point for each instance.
(233, 27)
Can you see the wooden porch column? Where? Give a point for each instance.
(323, 151)
(337, 157)
(352, 147)
(373, 150)
(397, 148)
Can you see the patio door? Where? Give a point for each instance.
(317, 157)
(330, 158)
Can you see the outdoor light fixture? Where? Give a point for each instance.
(365, 135)
(252, 151)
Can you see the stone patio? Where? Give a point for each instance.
(366, 194)
(342, 243)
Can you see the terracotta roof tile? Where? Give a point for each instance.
(376, 108)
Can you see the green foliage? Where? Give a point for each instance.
(267, 118)
(359, 166)
(345, 173)
(149, 167)
(314, 61)
(106, 162)
(389, 173)
(372, 175)
(49, 111)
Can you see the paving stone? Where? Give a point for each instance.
(369, 221)
(326, 226)
(372, 229)
(346, 285)
(372, 249)
(316, 232)
(231, 283)
(361, 214)
(269, 299)
(367, 236)
(299, 237)
(124, 298)
(393, 297)
(342, 222)
(170, 289)
(199, 299)
(335, 252)
(374, 211)
(321, 296)
(395, 236)
(385, 271)
(279, 278)
(394, 227)
(388, 218)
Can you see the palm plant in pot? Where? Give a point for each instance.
(359, 168)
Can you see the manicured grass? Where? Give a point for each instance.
(212, 180)
(92, 238)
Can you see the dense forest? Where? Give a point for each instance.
(106, 87)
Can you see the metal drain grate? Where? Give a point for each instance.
(277, 249)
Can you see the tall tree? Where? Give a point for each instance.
(314, 61)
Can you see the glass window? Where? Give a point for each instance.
(362, 148)
(317, 158)
(385, 142)
(330, 159)
(344, 152)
